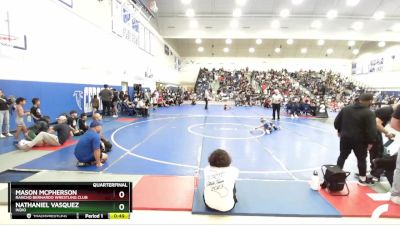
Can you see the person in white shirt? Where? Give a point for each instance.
(219, 182)
(276, 99)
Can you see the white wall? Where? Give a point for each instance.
(389, 76)
(191, 66)
(77, 46)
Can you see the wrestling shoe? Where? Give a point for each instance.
(2, 136)
(366, 182)
(268, 132)
(9, 135)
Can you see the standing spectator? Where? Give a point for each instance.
(106, 96)
(95, 104)
(219, 182)
(35, 110)
(87, 151)
(383, 116)
(19, 120)
(206, 98)
(276, 104)
(4, 116)
(356, 128)
(395, 124)
(114, 103)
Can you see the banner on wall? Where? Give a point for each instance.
(386, 62)
(127, 26)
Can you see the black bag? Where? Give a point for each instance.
(335, 179)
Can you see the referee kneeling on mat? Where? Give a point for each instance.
(87, 151)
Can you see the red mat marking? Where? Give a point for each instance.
(55, 148)
(170, 193)
(126, 120)
(358, 204)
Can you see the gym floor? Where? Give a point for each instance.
(175, 142)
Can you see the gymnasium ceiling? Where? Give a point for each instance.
(214, 17)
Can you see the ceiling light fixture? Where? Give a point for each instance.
(284, 13)
(352, 2)
(241, 2)
(252, 50)
(289, 41)
(320, 42)
(275, 24)
(259, 41)
(193, 24)
(332, 14)
(378, 15)
(381, 44)
(277, 50)
(351, 43)
(316, 24)
(357, 26)
(198, 41)
(396, 27)
(234, 23)
(356, 51)
(200, 49)
(237, 12)
(228, 41)
(297, 2)
(190, 13)
(226, 50)
(186, 2)
(303, 50)
(329, 51)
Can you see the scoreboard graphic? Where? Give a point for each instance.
(74, 200)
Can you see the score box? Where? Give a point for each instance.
(79, 200)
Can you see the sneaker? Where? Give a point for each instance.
(395, 199)
(82, 164)
(292, 116)
(367, 182)
(296, 116)
(356, 175)
(115, 116)
(9, 135)
(267, 132)
(22, 147)
(2, 136)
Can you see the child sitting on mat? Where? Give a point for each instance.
(219, 182)
(268, 126)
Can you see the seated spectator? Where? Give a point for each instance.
(40, 126)
(143, 108)
(73, 123)
(35, 110)
(87, 151)
(49, 138)
(83, 123)
(219, 182)
(106, 145)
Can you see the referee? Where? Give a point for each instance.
(276, 104)
(357, 130)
